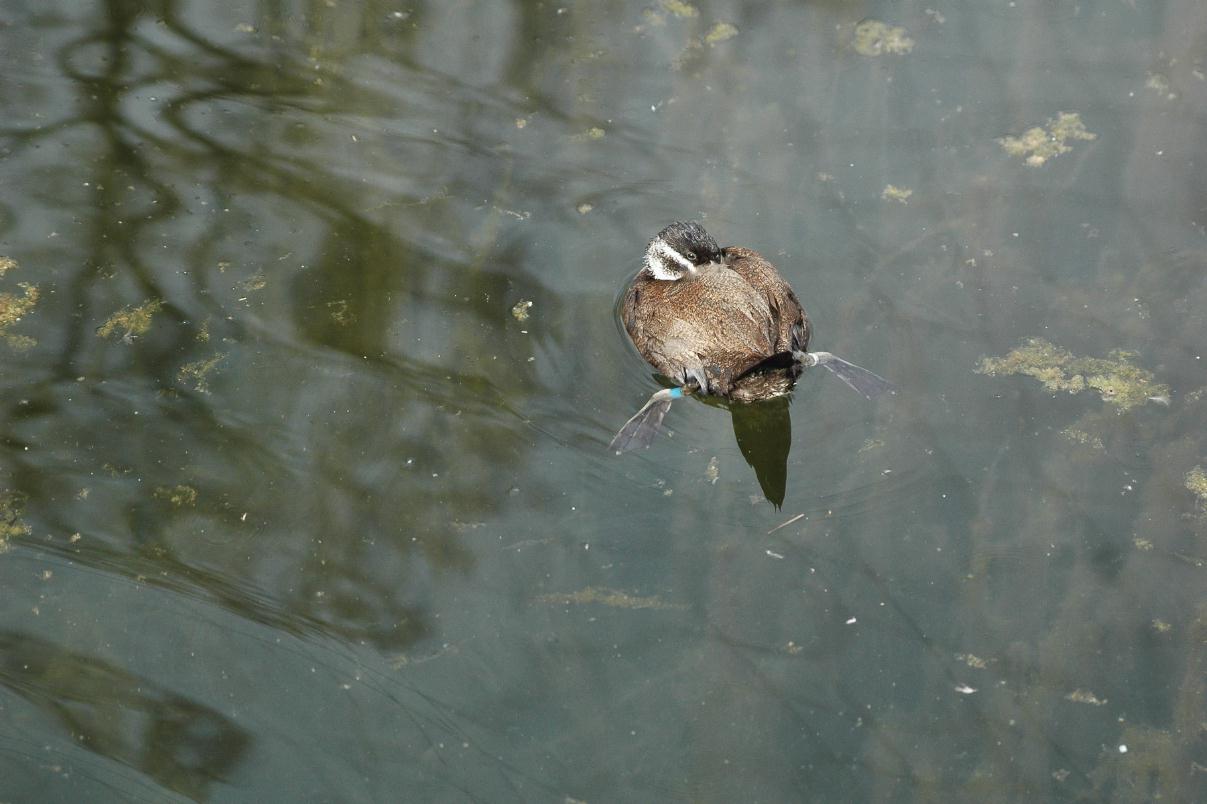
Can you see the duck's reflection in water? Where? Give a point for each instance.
(762, 426)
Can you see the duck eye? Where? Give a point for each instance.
(691, 255)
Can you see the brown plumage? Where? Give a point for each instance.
(718, 322)
(722, 322)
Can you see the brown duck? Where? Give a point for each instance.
(721, 322)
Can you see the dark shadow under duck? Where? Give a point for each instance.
(719, 322)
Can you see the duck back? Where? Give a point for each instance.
(716, 325)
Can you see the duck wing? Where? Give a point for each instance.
(790, 328)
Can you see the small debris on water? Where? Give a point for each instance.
(964, 689)
(712, 473)
(785, 524)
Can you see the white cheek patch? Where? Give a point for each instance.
(661, 257)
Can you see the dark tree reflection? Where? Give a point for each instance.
(366, 376)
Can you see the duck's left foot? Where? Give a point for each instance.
(868, 383)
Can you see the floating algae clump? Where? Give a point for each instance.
(1037, 145)
(593, 133)
(1196, 483)
(894, 193)
(130, 321)
(12, 309)
(178, 496)
(607, 597)
(1115, 378)
(1082, 437)
(253, 283)
(873, 37)
(11, 504)
(720, 32)
(197, 373)
(1085, 697)
(520, 310)
(680, 9)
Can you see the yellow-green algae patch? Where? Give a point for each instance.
(11, 505)
(13, 308)
(6, 265)
(679, 8)
(130, 320)
(894, 193)
(1196, 484)
(520, 310)
(179, 495)
(1037, 145)
(720, 32)
(253, 283)
(873, 37)
(197, 373)
(1082, 437)
(1116, 378)
(341, 312)
(1085, 697)
(975, 662)
(1160, 84)
(607, 597)
(593, 133)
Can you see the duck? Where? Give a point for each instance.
(719, 322)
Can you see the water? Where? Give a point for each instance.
(321, 518)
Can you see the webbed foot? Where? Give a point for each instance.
(868, 383)
(640, 430)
